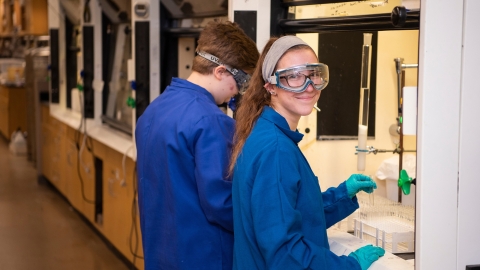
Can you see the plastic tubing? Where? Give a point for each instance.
(364, 101)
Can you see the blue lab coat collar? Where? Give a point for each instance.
(271, 115)
(182, 83)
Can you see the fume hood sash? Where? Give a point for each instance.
(373, 22)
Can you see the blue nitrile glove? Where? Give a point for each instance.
(357, 182)
(366, 255)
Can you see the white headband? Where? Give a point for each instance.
(279, 47)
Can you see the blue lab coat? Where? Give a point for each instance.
(183, 145)
(280, 214)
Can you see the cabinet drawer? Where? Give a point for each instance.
(4, 120)
(4, 93)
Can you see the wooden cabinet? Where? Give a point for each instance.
(34, 16)
(27, 17)
(75, 176)
(6, 19)
(79, 173)
(53, 150)
(13, 110)
(118, 195)
(74, 187)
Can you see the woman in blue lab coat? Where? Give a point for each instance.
(280, 213)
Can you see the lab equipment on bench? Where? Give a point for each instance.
(385, 223)
(343, 243)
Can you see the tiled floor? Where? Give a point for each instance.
(38, 229)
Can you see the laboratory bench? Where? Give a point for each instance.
(342, 243)
(96, 175)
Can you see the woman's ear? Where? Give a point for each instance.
(268, 86)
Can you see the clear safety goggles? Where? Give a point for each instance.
(240, 76)
(296, 79)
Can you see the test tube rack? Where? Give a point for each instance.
(385, 223)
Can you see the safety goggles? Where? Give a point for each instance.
(296, 79)
(240, 76)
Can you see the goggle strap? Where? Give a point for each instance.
(215, 60)
(273, 79)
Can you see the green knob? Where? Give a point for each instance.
(131, 102)
(404, 182)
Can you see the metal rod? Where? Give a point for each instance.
(404, 66)
(183, 31)
(400, 124)
(398, 68)
(374, 22)
(292, 3)
(394, 151)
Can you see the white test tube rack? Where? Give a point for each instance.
(388, 224)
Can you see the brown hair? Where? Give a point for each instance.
(251, 105)
(227, 41)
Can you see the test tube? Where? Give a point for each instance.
(371, 196)
(364, 100)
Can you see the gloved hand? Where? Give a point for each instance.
(357, 182)
(366, 255)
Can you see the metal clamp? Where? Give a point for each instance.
(371, 149)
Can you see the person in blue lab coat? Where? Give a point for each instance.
(183, 144)
(280, 213)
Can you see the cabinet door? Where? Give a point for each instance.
(6, 23)
(35, 17)
(17, 105)
(73, 185)
(46, 152)
(118, 195)
(55, 157)
(58, 142)
(87, 178)
(4, 119)
(79, 174)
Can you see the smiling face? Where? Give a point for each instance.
(294, 105)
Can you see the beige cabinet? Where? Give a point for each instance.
(79, 173)
(34, 18)
(13, 110)
(71, 170)
(25, 17)
(118, 195)
(53, 150)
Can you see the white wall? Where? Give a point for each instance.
(440, 67)
(469, 149)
